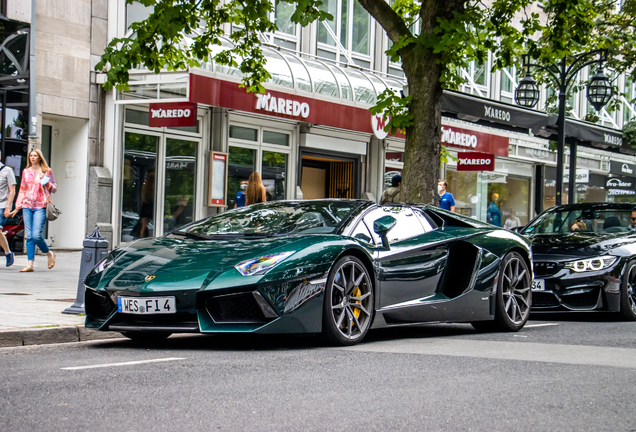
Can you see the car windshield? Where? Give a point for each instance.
(590, 220)
(275, 218)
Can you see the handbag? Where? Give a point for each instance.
(52, 212)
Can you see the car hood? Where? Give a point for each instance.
(176, 263)
(575, 245)
(181, 259)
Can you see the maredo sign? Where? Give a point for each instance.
(172, 114)
(473, 140)
(472, 161)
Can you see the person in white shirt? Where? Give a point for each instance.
(513, 221)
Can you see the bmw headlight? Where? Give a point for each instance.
(592, 264)
(103, 265)
(258, 266)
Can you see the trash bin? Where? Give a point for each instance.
(95, 248)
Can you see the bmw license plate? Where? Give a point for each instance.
(538, 285)
(146, 305)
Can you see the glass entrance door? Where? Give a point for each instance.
(159, 184)
(138, 194)
(179, 183)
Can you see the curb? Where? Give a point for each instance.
(52, 335)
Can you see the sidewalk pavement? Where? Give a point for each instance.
(31, 304)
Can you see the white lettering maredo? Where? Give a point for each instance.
(496, 113)
(171, 113)
(282, 106)
(451, 137)
(478, 162)
(613, 139)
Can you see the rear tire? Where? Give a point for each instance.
(348, 306)
(628, 292)
(513, 298)
(146, 337)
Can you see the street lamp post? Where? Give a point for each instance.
(599, 92)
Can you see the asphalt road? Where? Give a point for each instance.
(570, 374)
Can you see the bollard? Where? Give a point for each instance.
(95, 249)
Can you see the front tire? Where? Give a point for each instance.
(628, 292)
(513, 298)
(348, 306)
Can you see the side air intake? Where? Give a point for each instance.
(461, 268)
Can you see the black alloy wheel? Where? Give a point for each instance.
(514, 296)
(348, 306)
(628, 292)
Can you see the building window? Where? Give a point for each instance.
(258, 149)
(477, 76)
(136, 12)
(508, 84)
(629, 112)
(353, 30)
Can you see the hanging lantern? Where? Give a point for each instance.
(527, 93)
(599, 91)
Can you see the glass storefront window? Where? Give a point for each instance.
(277, 138)
(274, 175)
(138, 195)
(500, 199)
(179, 183)
(243, 133)
(241, 164)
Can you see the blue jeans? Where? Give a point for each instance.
(33, 224)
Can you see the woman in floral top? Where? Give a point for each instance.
(35, 190)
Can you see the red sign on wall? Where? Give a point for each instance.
(473, 140)
(172, 114)
(472, 161)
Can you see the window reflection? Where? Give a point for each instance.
(179, 183)
(138, 195)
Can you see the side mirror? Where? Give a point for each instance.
(382, 227)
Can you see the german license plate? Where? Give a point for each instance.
(538, 285)
(146, 305)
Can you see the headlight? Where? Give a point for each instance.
(103, 264)
(258, 266)
(592, 264)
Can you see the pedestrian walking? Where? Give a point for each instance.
(255, 190)
(393, 194)
(7, 193)
(240, 195)
(36, 188)
(446, 199)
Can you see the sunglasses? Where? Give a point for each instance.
(633, 218)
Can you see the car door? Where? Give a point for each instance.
(411, 269)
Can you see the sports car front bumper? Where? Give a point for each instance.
(557, 289)
(282, 307)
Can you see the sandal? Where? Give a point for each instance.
(52, 261)
(26, 270)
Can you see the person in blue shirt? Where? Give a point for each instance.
(446, 200)
(493, 214)
(240, 195)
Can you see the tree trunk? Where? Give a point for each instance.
(423, 139)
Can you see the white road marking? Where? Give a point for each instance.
(540, 325)
(521, 351)
(124, 363)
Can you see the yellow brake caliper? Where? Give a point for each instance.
(356, 293)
